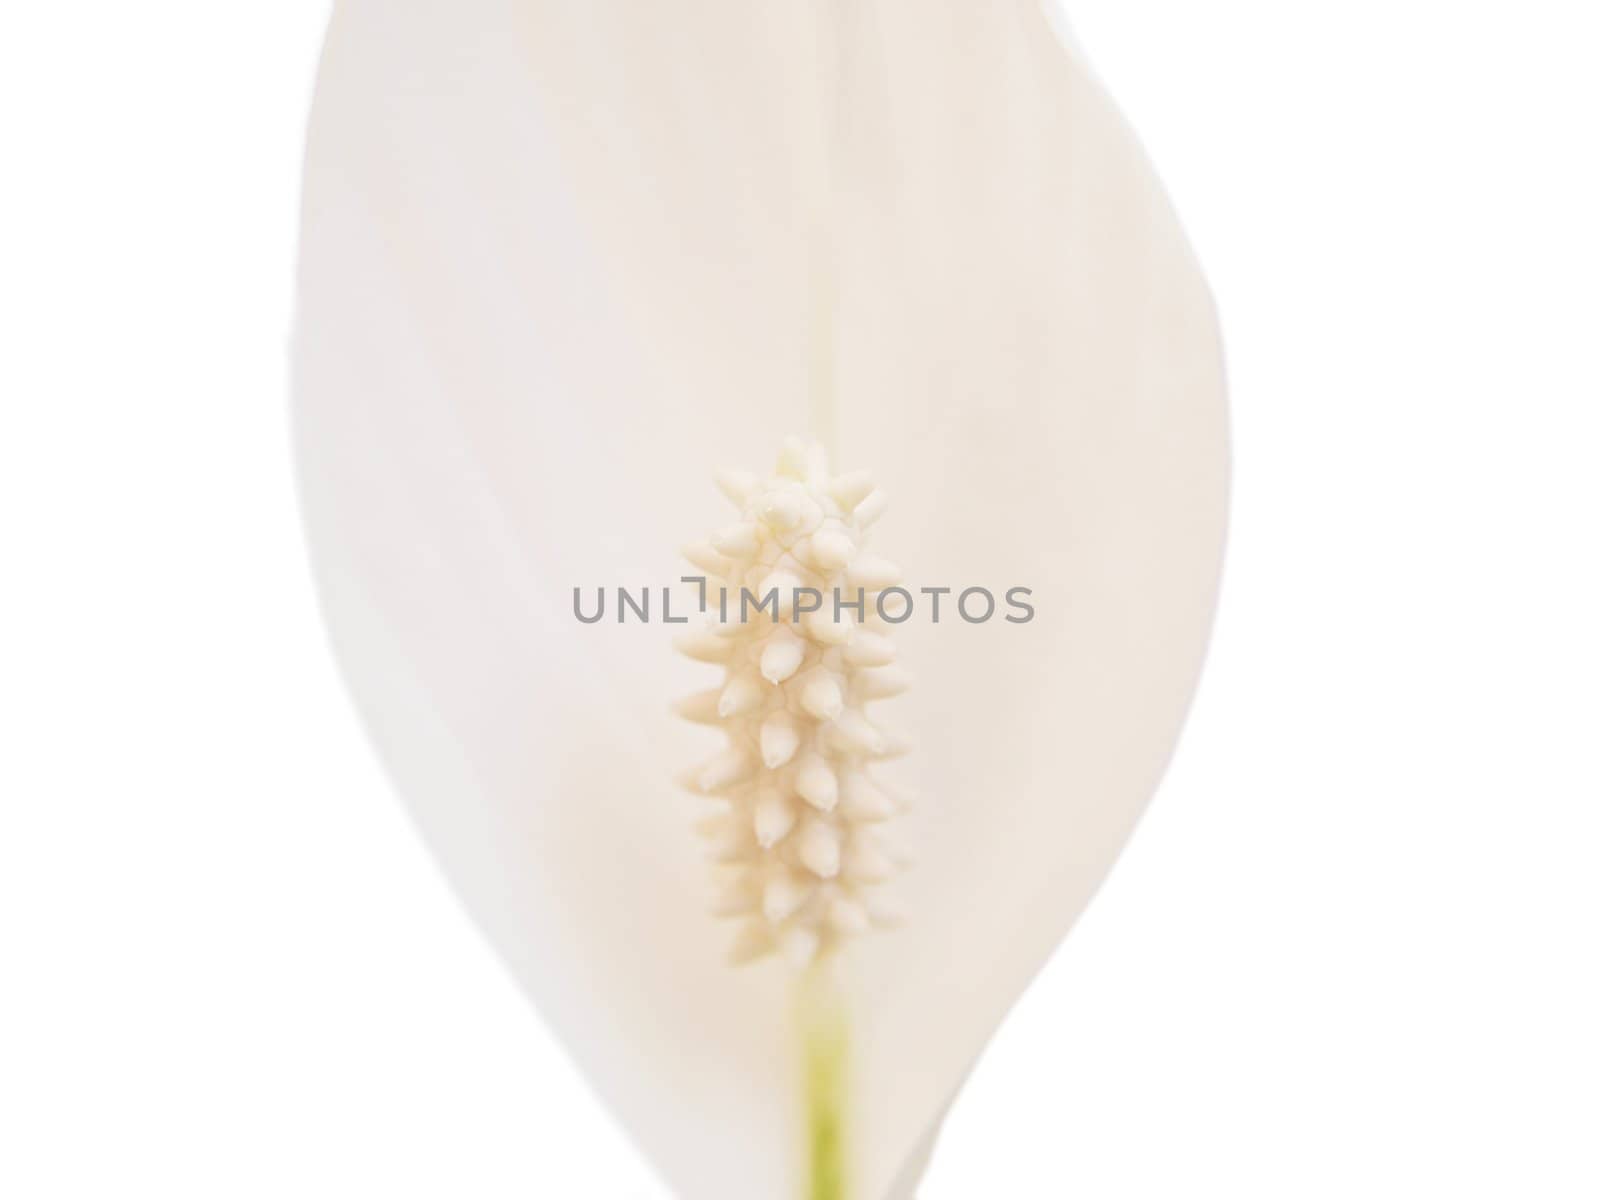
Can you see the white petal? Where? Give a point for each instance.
(492, 321)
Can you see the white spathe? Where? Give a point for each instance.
(560, 261)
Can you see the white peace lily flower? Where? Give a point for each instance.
(563, 260)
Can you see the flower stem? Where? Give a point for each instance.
(826, 1081)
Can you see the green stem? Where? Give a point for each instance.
(826, 1080)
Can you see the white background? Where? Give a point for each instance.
(1352, 951)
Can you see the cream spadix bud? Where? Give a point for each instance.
(738, 541)
(781, 656)
(815, 782)
(727, 840)
(780, 738)
(732, 766)
(788, 510)
(785, 584)
(731, 628)
(885, 908)
(755, 941)
(742, 693)
(716, 826)
(831, 549)
(850, 490)
(870, 509)
(821, 696)
(864, 860)
(860, 799)
(702, 555)
(708, 560)
(820, 848)
(796, 800)
(881, 682)
(704, 646)
(829, 627)
(795, 458)
(868, 649)
(892, 746)
(738, 486)
(799, 945)
(736, 899)
(785, 892)
(873, 573)
(701, 708)
(775, 815)
(848, 915)
(852, 733)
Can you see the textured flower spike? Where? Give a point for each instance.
(803, 654)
